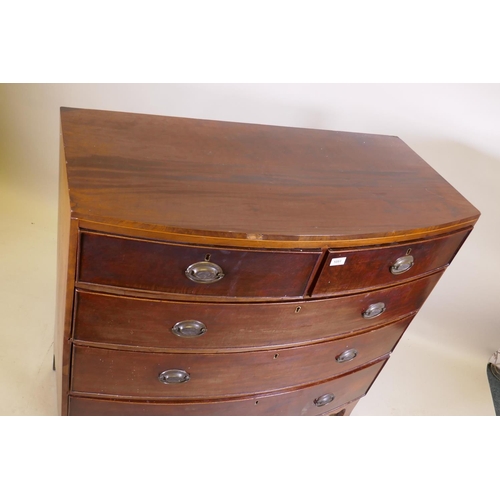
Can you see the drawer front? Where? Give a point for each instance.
(292, 403)
(156, 266)
(353, 270)
(149, 323)
(136, 374)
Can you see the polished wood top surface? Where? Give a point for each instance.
(252, 182)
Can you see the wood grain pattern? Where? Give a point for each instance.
(252, 182)
(289, 403)
(158, 266)
(147, 323)
(371, 267)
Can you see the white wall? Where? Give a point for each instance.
(439, 366)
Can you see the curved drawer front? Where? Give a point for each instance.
(352, 270)
(162, 267)
(298, 402)
(149, 323)
(138, 374)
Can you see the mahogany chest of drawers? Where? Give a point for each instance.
(215, 268)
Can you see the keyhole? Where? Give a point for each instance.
(276, 356)
(207, 257)
(298, 309)
(408, 252)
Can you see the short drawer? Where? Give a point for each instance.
(139, 374)
(312, 400)
(185, 326)
(355, 270)
(162, 267)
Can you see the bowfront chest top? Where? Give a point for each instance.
(216, 268)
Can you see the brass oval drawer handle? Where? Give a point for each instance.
(348, 355)
(402, 264)
(189, 328)
(174, 377)
(374, 310)
(204, 272)
(324, 400)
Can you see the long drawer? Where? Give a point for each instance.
(165, 375)
(149, 265)
(312, 400)
(186, 326)
(347, 271)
